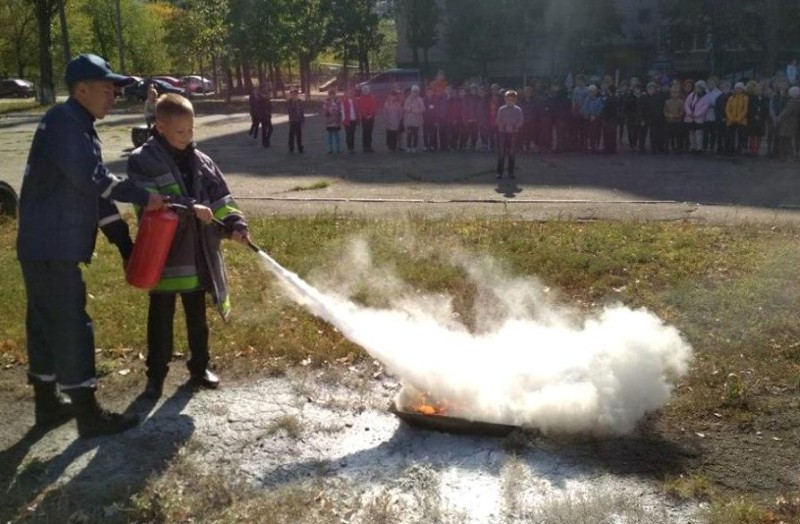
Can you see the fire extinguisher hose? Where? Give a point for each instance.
(250, 244)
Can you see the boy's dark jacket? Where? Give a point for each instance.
(195, 259)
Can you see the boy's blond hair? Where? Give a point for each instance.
(172, 105)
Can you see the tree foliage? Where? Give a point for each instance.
(739, 33)
(511, 31)
(187, 36)
(18, 38)
(422, 22)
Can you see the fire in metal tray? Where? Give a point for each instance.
(419, 411)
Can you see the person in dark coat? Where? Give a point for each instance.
(264, 115)
(630, 113)
(651, 111)
(562, 116)
(609, 116)
(788, 124)
(169, 163)
(723, 139)
(252, 102)
(65, 190)
(297, 118)
(757, 116)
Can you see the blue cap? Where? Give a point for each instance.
(92, 67)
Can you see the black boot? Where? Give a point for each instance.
(93, 420)
(154, 387)
(51, 408)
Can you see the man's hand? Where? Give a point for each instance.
(242, 236)
(155, 202)
(203, 213)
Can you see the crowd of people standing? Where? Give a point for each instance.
(660, 115)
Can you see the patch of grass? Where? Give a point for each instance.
(738, 511)
(289, 424)
(591, 507)
(687, 487)
(322, 184)
(184, 493)
(32, 467)
(699, 278)
(16, 105)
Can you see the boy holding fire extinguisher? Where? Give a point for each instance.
(170, 164)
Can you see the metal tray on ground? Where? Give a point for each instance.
(455, 425)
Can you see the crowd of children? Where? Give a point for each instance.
(660, 115)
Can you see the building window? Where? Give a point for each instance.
(645, 16)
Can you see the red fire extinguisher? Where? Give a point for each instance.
(153, 241)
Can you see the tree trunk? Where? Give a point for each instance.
(279, 82)
(305, 75)
(415, 55)
(344, 69)
(62, 15)
(226, 66)
(120, 43)
(772, 22)
(244, 71)
(301, 61)
(215, 70)
(46, 87)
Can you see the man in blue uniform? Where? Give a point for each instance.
(67, 192)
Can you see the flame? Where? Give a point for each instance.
(425, 405)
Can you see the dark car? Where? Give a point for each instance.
(138, 90)
(384, 83)
(16, 87)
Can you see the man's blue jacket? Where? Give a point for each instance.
(67, 191)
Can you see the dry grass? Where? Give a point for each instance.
(695, 486)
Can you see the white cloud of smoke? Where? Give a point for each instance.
(528, 362)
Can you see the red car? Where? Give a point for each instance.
(196, 84)
(171, 80)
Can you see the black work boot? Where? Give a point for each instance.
(51, 408)
(93, 420)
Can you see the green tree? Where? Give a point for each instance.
(474, 36)
(195, 33)
(741, 33)
(422, 21)
(308, 25)
(581, 28)
(354, 31)
(18, 39)
(141, 31)
(511, 32)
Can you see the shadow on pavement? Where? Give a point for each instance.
(708, 179)
(120, 464)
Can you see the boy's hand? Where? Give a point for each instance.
(154, 202)
(242, 236)
(203, 213)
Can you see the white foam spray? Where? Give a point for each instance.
(534, 365)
